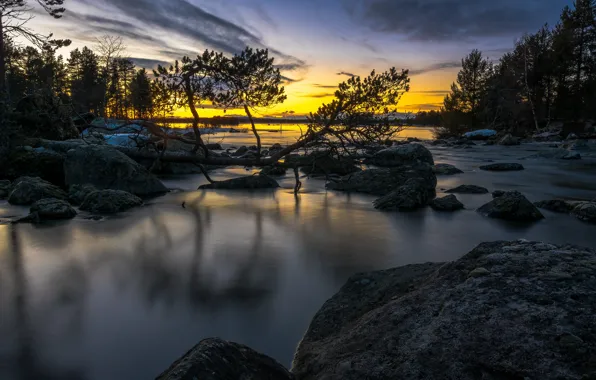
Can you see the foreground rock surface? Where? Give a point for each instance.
(406, 154)
(107, 168)
(384, 181)
(446, 169)
(506, 310)
(40, 162)
(27, 190)
(259, 181)
(511, 205)
(448, 203)
(52, 209)
(216, 359)
(110, 202)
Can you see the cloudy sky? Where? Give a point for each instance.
(318, 42)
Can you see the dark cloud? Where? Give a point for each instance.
(435, 67)
(432, 92)
(88, 25)
(319, 95)
(288, 80)
(148, 63)
(346, 74)
(424, 106)
(441, 20)
(325, 86)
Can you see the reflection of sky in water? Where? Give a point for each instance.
(123, 297)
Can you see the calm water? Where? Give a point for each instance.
(122, 298)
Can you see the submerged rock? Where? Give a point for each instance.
(214, 146)
(557, 205)
(447, 203)
(585, 212)
(216, 359)
(27, 190)
(511, 205)
(110, 202)
(502, 167)
(468, 189)
(406, 154)
(274, 170)
(411, 195)
(107, 168)
(259, 181)
(446, 169)
(383, 181)
(52, 209)
(506, 310)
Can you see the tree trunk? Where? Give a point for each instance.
(195, 117)
(254, 131)
(2, 59)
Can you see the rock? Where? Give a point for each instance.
(572, 156)
(493, 314)
(107, 168)
(581, 145)
(468, 189)
(27, 190)
(78, 193)
(52, 209)
(274, 170)
(383, 181)
(447, 203)
(511, 206)
(216, 359)
(438, 142)
(5, 186)
(446, 169)
(322, 164)
(480, 134)
(406, 154)
(509, 140)
(585, 212)
(110, 201)
(501, 167)
(571, 136)
(38, 162)
(275, 148)
(557, 205)
(411, 195)
(259, 181)
(214, 146)
(498, 193)
(240, 151)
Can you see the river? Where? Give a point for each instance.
(123, 297)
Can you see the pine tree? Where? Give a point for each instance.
(140, 95)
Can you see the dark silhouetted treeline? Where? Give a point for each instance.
(548, 76)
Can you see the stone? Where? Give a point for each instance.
(5, 186)
(572, 156)
(446, 169)
(493, 314)
(480, 134)
(27, 190)
(447, 203)
(511, 206)
(585, 212)
(468, 189)
(107, 168)
(498, 193)
(37, 162)
(557, 205)
(110, 202)
(274, 170)
(216, 359)
(502, 167)
(52, 209)
(78, 193)
(406, 154)
(258, 181)
(214, 146)
(411, 195)
(384, 181)
(509, 140)
(323, 164)
(240, 151)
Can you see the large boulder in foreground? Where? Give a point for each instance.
(506, 310)
(110, 202)
(27, 190)
(258, 181)
(410, 196)
(34, 162)
(406, 154)
(384, 181)
(107, 168)
(52, 209)
(323, 164)
(511, 205)
(216, 359)
(447, 203)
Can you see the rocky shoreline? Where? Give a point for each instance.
(505, 310)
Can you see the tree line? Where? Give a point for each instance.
(549, 76)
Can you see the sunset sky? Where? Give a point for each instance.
(318, 42)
